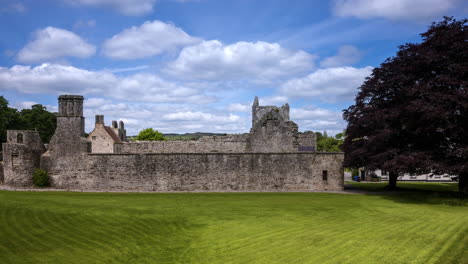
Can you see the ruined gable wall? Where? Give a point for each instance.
(207, 172)
(21, 158)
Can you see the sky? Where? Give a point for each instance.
(182, 66)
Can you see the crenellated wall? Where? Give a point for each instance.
(207, 144)
(204, 172)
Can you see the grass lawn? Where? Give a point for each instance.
(66, 227)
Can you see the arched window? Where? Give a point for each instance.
(19, 138)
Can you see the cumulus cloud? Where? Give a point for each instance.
(53, 43)
(259, 61)
(125, 7)
(313, 113)
(318, 119)
(347, 55)
(24, 104)
(200, 116)
(329, 85)
(163, 117)
(59, 79)
(149, 39)
(238, 107)
(393, 9)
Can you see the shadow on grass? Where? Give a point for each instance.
(415, 193)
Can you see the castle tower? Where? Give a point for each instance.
(70, 117)
(69, 134)
(21, 155)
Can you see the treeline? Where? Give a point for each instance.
(329, 143)
(36, 118)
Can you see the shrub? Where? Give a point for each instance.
(150, 134)
(40, 178)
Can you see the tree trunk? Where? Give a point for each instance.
(463, 183)
(392, 180)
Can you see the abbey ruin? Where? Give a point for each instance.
(273, 156)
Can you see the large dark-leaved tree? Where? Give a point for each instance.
(411, 114)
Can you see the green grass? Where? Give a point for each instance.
(66, 227)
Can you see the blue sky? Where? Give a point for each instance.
(196, 65)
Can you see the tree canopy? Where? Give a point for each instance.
(150, 134)
(410, 115)
(329, 143)
(36, 118)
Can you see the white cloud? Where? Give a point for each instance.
(393, 9)
(179, 118)
(125, 7)
(347, 55)
(53, 43)
(60, 79)
(329, 85)
(259, 61)
(149, 39)
(318, 119)
(237, 107)
(313, 113)
(273, 100)
(200, 116)
(24, 104)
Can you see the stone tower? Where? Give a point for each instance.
(21, 156)
(69, 134)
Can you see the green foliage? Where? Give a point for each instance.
(36, 118)
(9, 118)
(40, 178)
(74, 227)
(329, 143)
(150, 134)
(40, 119)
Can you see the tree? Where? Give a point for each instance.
(9, 118)
(410, 115)
(329, 143)
(150, 134)
(38, 118)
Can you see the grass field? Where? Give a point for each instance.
(419, 226)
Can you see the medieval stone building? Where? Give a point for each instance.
(106, 139)
(274, 156)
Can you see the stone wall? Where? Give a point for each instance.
(204, 172)
(1, 172)
(207, 144)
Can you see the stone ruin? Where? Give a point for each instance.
(273, 156)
